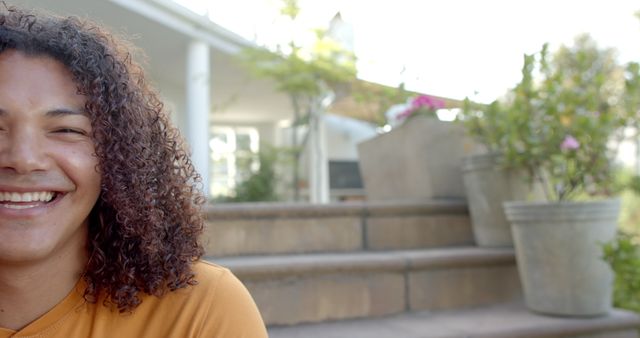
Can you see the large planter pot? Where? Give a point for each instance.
(418, 160)
(487, 187)
(559, 253)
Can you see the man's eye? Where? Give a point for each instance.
(70, 130)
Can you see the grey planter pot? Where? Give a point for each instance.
(418, 160)
(487, 187)
(559, 248)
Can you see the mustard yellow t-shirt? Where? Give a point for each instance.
(219, 306)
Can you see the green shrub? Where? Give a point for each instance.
(630, 213)
(623, 255)
(260, 186)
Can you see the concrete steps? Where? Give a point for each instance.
(293, 289)
(510, 320)
(270, 228)
(385, 269)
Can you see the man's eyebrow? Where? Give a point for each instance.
(63, 112)
(58, 112)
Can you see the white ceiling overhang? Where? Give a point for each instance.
(163, 30)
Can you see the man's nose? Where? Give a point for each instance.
(22, 151)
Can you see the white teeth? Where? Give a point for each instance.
(41, 196)
(18, 206)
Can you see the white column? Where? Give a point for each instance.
(198, 84)
(318, 163)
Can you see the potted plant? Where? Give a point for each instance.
(488, 181)
(572, 120)
(419, 158)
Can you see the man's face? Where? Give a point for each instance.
(48, 169)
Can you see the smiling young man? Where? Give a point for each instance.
(99, 215)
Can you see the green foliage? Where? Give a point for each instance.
(376, 99)
(630, 201)
(308, 74)
(575, 99)
(261, 185)
(634, 184)
(631, 99)
(630, 212)
(305, 72)
(290, 9)
(557, 123)
(300, 73)
(486, 124)
(623, 255)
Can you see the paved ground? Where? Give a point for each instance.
(510, 320)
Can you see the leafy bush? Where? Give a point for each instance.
(261, 185)
(623, 255)
(559, 122)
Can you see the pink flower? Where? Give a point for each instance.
(428, 102)
(570, 143)
(421, 103)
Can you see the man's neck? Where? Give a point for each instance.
(28, 291)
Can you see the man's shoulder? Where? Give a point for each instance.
(209, 278)
(217, 304)
(214, 283)
(230, 309)
(207, 272)
(215, 280)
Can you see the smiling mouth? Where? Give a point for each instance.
(26, 200)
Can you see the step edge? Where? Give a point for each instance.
(618, 321)
(232, 211)
(257, 267)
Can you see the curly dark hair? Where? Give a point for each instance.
(144, 228)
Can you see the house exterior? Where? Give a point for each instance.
(223, 110)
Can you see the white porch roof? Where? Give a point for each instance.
(163, 30)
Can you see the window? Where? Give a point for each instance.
(233, 157)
